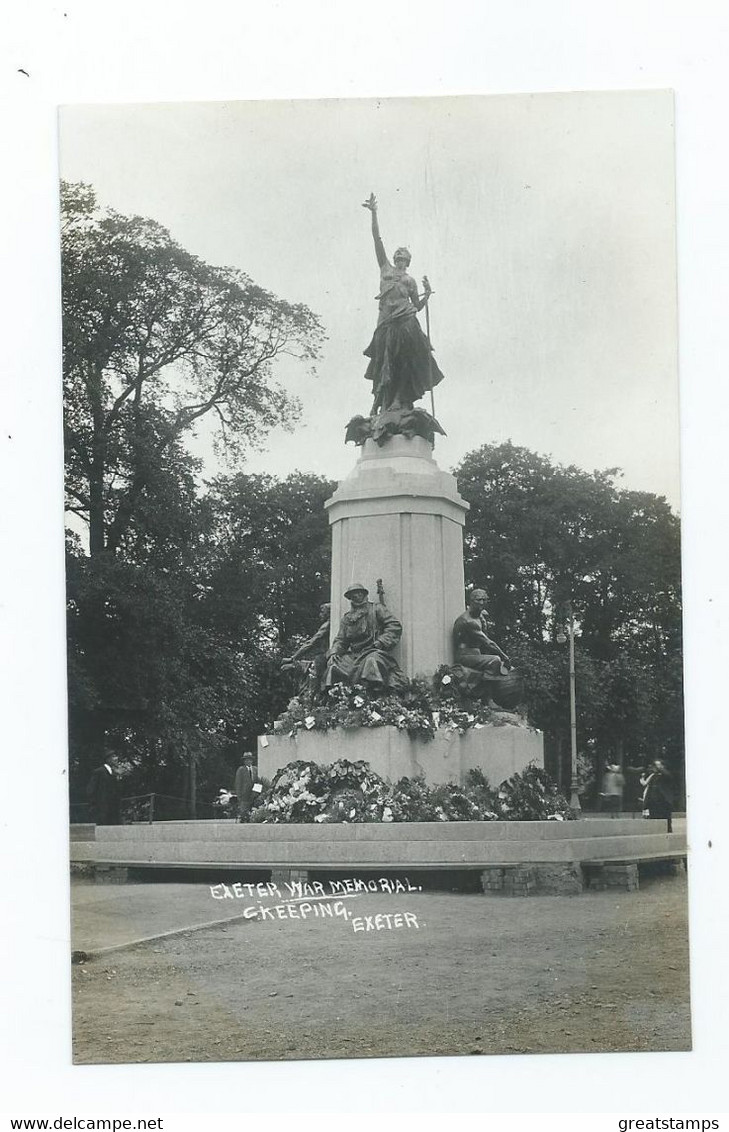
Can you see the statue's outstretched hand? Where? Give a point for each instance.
(370, 203)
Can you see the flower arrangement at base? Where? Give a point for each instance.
(479, 790)
(368, 792)
(420, 709)
(259, 796)
(346, 805)
(352, 792)
(532, 796)
(411, 800)
(298, 793)
(225, 805)
(456, 803)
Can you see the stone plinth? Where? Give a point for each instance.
(398, 517)
(499, 751)
(512, 853)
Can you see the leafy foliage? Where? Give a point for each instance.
(539, 534)
(531, 796)
(155, 340)
(266, 556)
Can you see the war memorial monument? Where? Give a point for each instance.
(398, 620)
(397, 537)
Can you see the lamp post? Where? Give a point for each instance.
(569, 628)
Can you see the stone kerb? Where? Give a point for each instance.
(596, 830)
(500, 751)
(515, 857)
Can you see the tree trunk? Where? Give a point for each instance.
(98, 465)
(96, 510)
(193, 783)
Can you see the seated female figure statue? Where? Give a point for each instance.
(402, 367)
(481, 668)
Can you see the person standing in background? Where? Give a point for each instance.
(103, 793)
(657, 793)
(245, 777)
(613, 784)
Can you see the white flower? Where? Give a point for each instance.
(358, 701)
(446, 679)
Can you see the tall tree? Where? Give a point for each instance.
(268, 559)
(154, 339)
(539, 534)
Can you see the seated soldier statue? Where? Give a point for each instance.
(362, 651)
(481, 669)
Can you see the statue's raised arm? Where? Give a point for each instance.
(371, 204)
(402, 367)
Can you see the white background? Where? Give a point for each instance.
(94, 52)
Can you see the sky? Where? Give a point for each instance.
(545, 223)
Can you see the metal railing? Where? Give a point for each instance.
(153, 806)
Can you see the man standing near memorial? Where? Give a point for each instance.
(103, 794)
(657, 793)
(613, 784)
(245, 779)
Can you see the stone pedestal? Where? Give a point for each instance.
(398, 517)
(499, 751)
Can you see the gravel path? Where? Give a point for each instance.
(477, 975)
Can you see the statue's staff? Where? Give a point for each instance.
(399, 369)
(426, 296)
(381, 599)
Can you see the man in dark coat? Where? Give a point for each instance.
(361, 652)
(657, 793)
(245, 777)
(104, 794)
